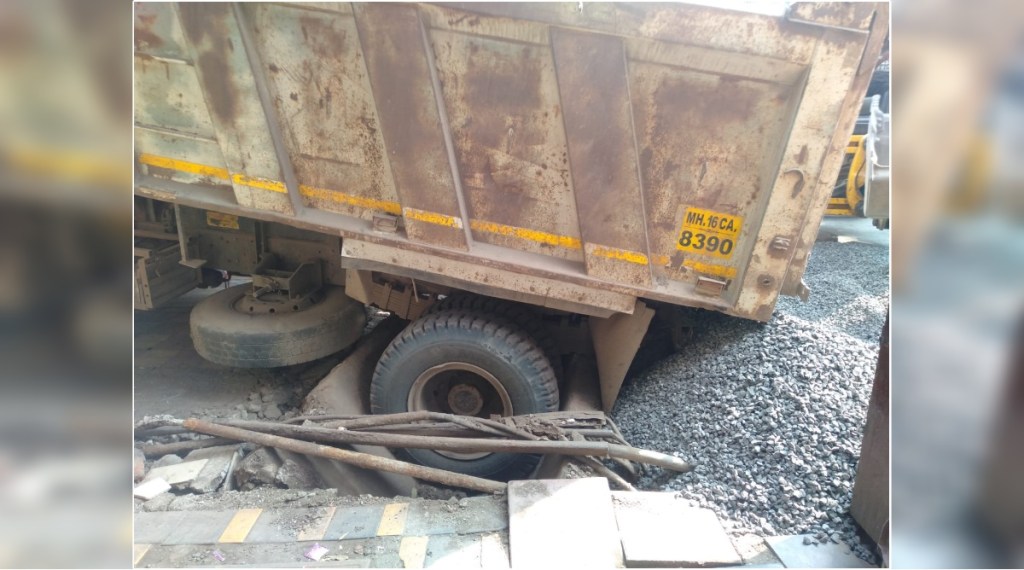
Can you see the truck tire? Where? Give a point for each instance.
(222, 333)
(467, 363)
(520, 314)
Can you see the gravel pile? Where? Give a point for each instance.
(772, 414)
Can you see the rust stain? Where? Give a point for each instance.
(497, 93)
(409, 121)
(144, 35)
(206, 26)
(592, 83)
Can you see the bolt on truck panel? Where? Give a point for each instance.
(567, 155)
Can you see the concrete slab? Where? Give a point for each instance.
(494, 551)
(179, 473)
(480, 514)
(755, 552)
(289, 525)
(151, 488)
(413, 551)
(453, 551)
(219, 460)
(272, 555)
(563, 524)
(354, 522)
(659, 530)
(792, 551)
(200, 527)
(153, 528)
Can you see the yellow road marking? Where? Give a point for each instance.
(240, 525)
(432, 217)
(318, 528)
(138, 551)
(412, 551)
(392, 522)
(524, 233)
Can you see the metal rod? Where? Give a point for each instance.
(151, 432)
(603, 470)
(353, 457)
(478, 424)
(161, 449)
(574, 448)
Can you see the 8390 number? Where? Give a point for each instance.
(703, 242)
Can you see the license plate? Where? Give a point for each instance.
(707, 232)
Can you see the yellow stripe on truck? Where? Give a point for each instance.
(394, 208)
(567, 242)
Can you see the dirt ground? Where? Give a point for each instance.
(171, 377)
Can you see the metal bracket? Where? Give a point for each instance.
(709, 286)
(385, 223)
(307, 278)
(780, 243)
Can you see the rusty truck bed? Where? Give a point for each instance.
(578, 156)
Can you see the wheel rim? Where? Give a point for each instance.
(274, 303)
(462, 389)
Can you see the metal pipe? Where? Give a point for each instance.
(603, 470)
(161, 449)
(363, 460)
(574, 448)
(478, 424)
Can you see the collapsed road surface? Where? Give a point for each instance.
(793, 477)
(772, 414)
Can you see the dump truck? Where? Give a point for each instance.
(528, 185)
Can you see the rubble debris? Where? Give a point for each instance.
(219, 461)
(179, 473)
(257, 468)
(166, 460)
(296, 473)
(151, 488)
(271, 412)
(160, 502)
(138, 465)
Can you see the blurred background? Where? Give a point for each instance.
(957, 381)
(957, 333)
(65, 283)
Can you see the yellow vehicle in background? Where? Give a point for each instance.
(863, 178)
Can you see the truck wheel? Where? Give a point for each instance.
(232, 328)
(466, 363)
(521, 315)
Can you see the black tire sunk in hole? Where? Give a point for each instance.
(466, 363)
(223, 332)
